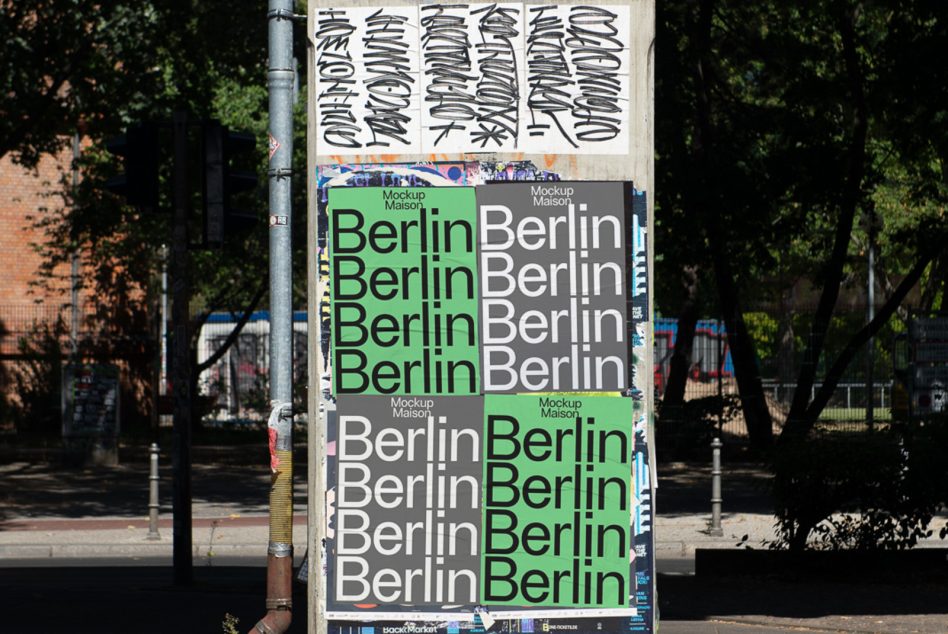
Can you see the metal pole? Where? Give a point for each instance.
(716, 500)
(180, 317)
(717, 338)
(280, 80)
(163, 378)
(871, 313)
(153, 494)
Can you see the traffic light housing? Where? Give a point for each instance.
(222, 181)
(138, 148)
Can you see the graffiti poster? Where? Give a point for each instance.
(453, 78)
(90, 400)
(643, 535)
(639, 286)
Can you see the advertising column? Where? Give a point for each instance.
(479, 317)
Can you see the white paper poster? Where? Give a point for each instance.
(472, 56)
(576, 80)
(445, 78)
(367, 78)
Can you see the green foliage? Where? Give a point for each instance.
(230, 623)
(72, 64)
(911, 211)
(781, 124)
(881, 490)
(763, 329)
(124, 62)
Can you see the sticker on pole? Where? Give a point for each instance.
(272, 145)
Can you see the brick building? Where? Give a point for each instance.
(28, 363)
(25, 197)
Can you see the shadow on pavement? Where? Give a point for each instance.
(684, 488)
(688, 597)
(46, 489)
(139, 600)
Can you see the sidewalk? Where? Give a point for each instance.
(49, 511)
(230, 536)
(52, 519)
(683, 505)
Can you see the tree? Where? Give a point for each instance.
(704, 184)
(872, 68)
(206, 57)
(794, 122)
(70, 66)
(792, 119)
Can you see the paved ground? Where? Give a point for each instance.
(75, 541)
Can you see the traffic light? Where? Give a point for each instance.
(222, 181)
(138, 148)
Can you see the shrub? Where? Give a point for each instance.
(698, 424)
(861, 491)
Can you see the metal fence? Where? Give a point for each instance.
(19, 324)
(236, 386)
(35, 341)
(779, 348)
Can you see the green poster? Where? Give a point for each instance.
(557, 501)
(403, 271)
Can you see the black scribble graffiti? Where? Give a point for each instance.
(447, 60)
(573, 87)
(388, 80)
(548, 73)
(498, 90)
(336, 78)
(595, 53)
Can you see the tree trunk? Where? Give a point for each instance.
(786, 342)
(807, 419)
(710, 201)
(197, 402)
(797, 423)
(753, 404)
(936, 285)
(674, 397)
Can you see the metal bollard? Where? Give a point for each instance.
(153, 495)
(716, 500)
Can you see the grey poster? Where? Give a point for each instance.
(554, 282)
(406, 519)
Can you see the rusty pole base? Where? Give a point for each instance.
(279, 597)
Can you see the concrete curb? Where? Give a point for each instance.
(686, 550)
(143, 550)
